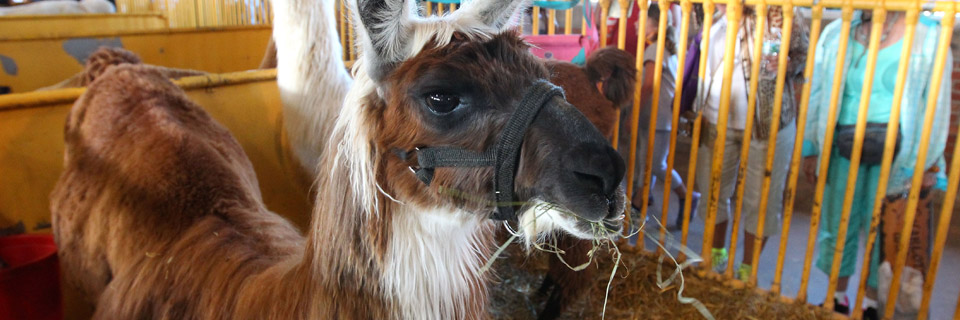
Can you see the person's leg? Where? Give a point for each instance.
(778, 178)
(831, 208)
(641, 162)
(728, 179)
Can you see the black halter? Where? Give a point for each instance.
(504, 156)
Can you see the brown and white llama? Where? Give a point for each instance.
(599, 89)
(157, 214)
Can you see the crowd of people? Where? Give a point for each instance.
(878, 104)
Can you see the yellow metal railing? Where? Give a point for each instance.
(734, 15)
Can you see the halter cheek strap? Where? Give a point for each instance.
(504, 156)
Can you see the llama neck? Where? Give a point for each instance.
(311, 75)
(413, 263)
(432, 263)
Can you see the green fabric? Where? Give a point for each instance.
(884, 79)
(861, 211)
(556, 4)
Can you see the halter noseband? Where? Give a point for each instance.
(504, 156)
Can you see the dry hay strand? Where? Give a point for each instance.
(634, 293)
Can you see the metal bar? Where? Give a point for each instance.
(747, 132)
(734, 15)
(946, 32)
(622, 25)
(602, 21)
(876, 31)
(795, 158)
(535, 23)
(847, 16)
(551, 22)
(429, 8)
(568, 21)
(891, 5)
(686, 8)
(942, 228)
(453, 7)
(889, 144)
(634, 121)
(774, 130)
(708, 9)
(654, 108)
(583, 26)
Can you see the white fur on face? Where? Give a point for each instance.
(433, 261)
(543, 218)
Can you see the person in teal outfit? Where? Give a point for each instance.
(914, 103)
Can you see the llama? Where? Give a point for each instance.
(106, 57)
(157, 213)
(311, 76)
(599, 90)
(59, 7)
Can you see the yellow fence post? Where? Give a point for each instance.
(761, 25)
(551, 21)
(602, 22)
(654, 106)
(734, 16)
(535, 22)
(795, 158)
(774, 130)
(568, 21)
(622, 26)
(685, 7)
(879, 17)
(634, 130)
(708, 9)
(889, 145)
(825, 155)
(946, 32)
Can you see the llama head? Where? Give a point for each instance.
(454, 83)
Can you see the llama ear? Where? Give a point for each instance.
(498, 14)
(385, 26)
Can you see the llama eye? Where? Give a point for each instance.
(442, 102)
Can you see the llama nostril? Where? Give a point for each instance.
(596, 166)
(588, 179)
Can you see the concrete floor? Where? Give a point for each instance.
(946, 288)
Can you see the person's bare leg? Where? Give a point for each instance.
(748, 247)
(720, 235)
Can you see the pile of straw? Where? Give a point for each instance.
(634, 293)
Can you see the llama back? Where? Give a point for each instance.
(158, 212)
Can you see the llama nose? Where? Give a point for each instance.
(596, 167)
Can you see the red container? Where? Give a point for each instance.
(30, 283)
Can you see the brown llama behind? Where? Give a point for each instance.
(107, 57)
(599, 90)
(175, 197)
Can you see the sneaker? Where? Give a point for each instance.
(842, 307)
(718, 259)
(871, 313)
(743, 272)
